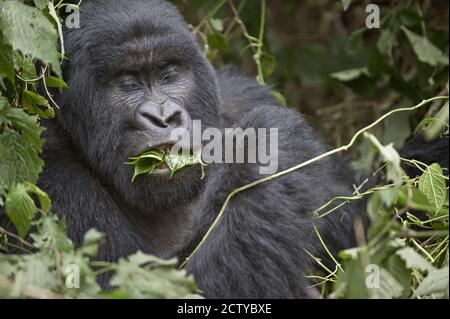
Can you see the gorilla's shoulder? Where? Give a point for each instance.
(240, 94)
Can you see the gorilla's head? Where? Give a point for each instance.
(135, 73)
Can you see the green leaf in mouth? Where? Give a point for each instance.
(148, 162)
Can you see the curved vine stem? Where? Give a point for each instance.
(300, 166)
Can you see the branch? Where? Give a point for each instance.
(302, 165)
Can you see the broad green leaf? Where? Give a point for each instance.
(37, 271)
(41, 4)
(26, 124)
(437, 281)
(7, 63)
(34, 103)
(54, 82)
(389, 286)
(19, 162)
(426, 51)
(432, 184)
(142, 276)
(57, 21)
(415, 260)
(26, 67)
(20, 208)
(179, 161)
(148, 162)
(218, 41)
(28, 30)
(353, 280)
(397, 267)
(52, 234)
(44, 201)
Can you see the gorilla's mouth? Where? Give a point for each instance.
(160, 160)
(163, 168)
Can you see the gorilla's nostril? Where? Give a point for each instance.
(151, 116)
(155, 120)
(174, 119)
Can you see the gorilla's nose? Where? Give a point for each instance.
(160, 117)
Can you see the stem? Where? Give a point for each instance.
(209, 15)
(302, 165)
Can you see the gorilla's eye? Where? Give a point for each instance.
(129, 83)
(167, 66)
(168, 72)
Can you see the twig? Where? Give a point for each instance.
(302, 165)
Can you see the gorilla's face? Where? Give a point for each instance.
(133, 79)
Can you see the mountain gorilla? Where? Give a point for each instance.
(135, 72)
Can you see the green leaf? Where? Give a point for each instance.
(397, 267)
(346, 4)
(387, 42)
(143, 276)
(426, 51)
(414, 260)
(394, 172)
(389, 286)
(268, 63)
(179, 161)
(52, 234)
(27, 29)
(218, 41)
(397, 129)
(54, 82)
(18, 162)
(34, 102)
(148, 162)
(217, 24)
(7, 63)
(91, 242)
(41, 4)
(20, 208)
(438, 124)
(349, 75)
(26, 67)
(26, 124)
(355, 43)
(432, 184)
(437, 281)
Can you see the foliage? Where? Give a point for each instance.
(360, 74)
(148, 162)
(404, 61)
(44, 268)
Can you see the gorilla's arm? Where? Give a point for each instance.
(79, 197)
(258, 248)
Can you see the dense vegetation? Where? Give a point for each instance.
(340, 74)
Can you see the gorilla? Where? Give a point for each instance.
(135, 73)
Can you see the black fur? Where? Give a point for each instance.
(258, 249)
